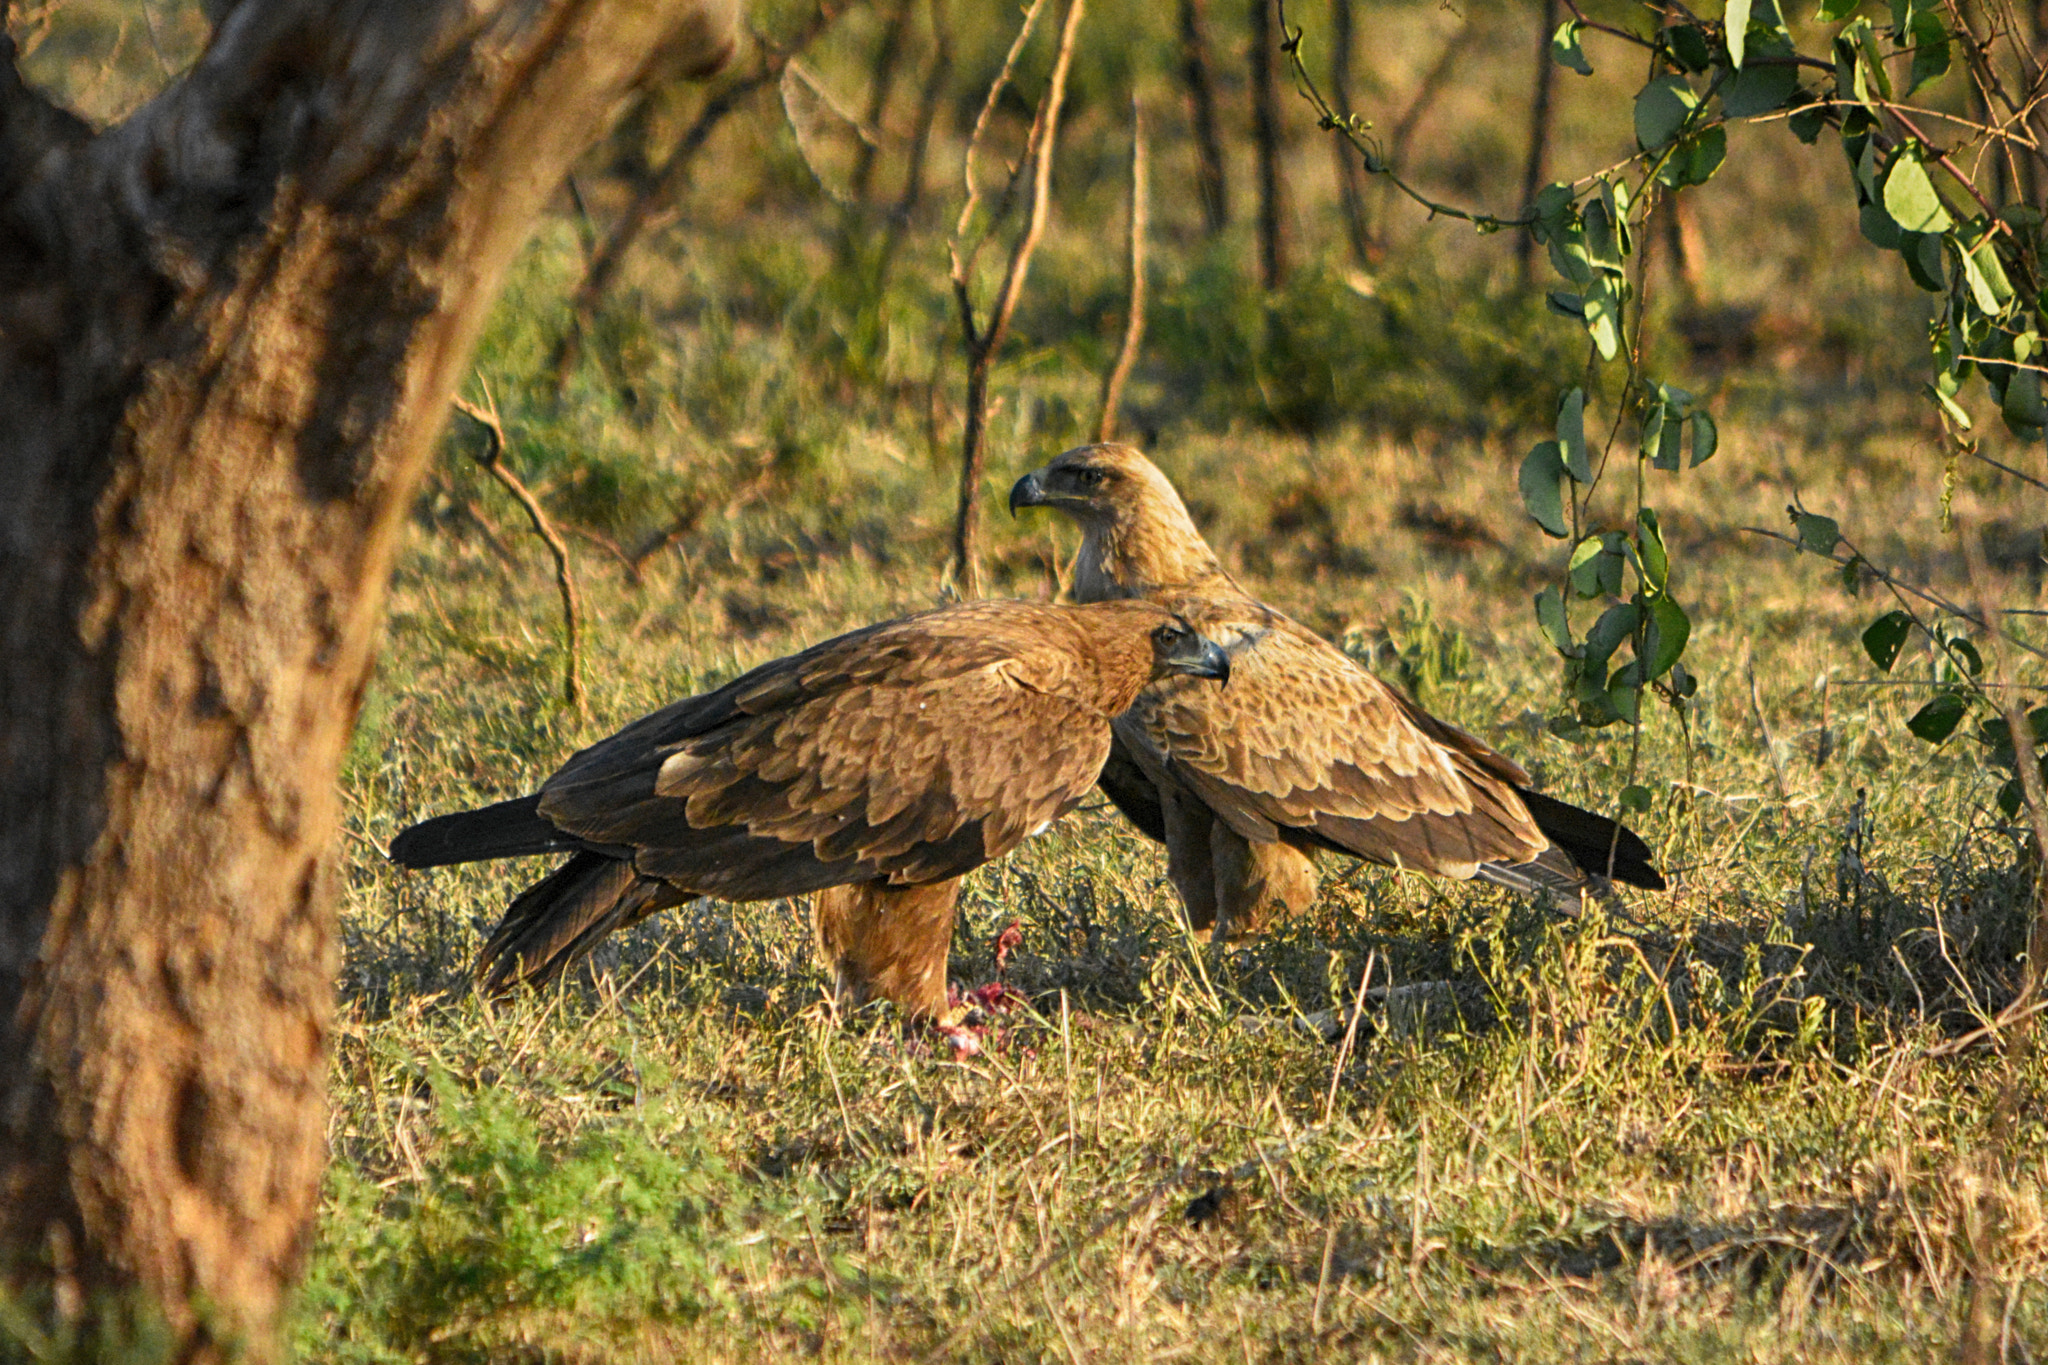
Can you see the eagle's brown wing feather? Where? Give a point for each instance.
(898, 754)
(1304, 739)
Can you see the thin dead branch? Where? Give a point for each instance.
(1134, 321)
(492, 460)
(963, 573)
(665, 185)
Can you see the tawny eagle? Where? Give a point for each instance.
(1305, 750)
(875, 768)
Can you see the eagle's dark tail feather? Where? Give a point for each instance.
(509, 829)
(562, 916)
(1596, 843)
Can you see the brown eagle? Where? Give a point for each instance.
(877, 768)
(1306, 750)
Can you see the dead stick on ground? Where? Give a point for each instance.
(1134, 324)
(565, 581)
(963, 574)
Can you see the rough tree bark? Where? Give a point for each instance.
(229, 331)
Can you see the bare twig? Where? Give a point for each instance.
(963, 573)
(565, 580)
(1134, 323)
(666, 184)
(1901, 588)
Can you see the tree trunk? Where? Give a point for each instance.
(229, 331)
(1350, 165)
(1536, 165)
(1265, 61)
(1211, 179)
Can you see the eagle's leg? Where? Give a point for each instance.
(1188, 863)
(1257, 884)
(889, 942)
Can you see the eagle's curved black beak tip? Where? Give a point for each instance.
(1209, 661)
(1026, 492)
(1217, 663)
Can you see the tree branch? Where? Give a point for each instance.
(492, 460)
(1134, 321)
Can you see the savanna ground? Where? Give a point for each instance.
(1752, 1118)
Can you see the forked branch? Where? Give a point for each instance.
(492, 459)
(963, 573)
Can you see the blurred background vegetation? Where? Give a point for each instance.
(1759, 1118)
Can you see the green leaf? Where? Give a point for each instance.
(1602, 305)
(1885, 637)
(1817, 533)
(2011, 797)
(1650, 550)
(1987, 276)
(1909, 194)
(2023, 405)
(1924, 260)
(1596, 565)
(1735, 20)
(1615, 625)
(1960, 648)
(1553, 210)
(1879, 227)
(1635, 799)
(1550, 615)
(1603, 243)
(1566, 50)
(1760, 90)
(1542, 492)
(1571, 434)
(1807, 123)
(1664, 428)
(1835, 11)
(1669, 630)
(1937, 720)
(1950, 408)
(1706, 438)
(1625, 697)
(1661, 109)
(1695, 162)
(1930, 48)
(1689, 47)
(1565, 302)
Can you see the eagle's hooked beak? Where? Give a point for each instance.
(1027, 492)
(1205, 659)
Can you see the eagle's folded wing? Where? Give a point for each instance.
(1304, 739)
(887, 755)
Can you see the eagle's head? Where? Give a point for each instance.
(1137, 536)
(1099, 485)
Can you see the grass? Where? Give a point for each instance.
(1727, 1122)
